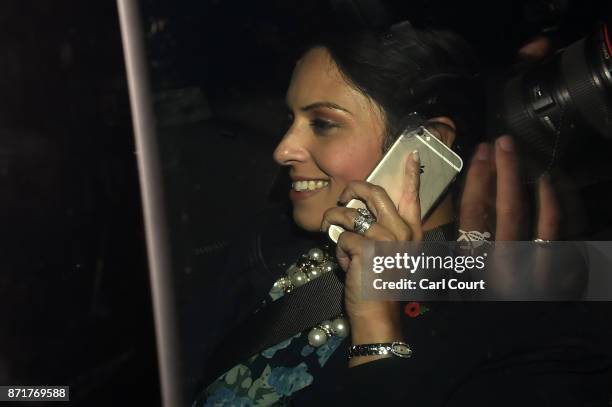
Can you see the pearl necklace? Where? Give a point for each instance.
(310, 266)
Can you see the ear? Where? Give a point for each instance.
(445, 128)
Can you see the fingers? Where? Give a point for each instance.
(349, 255)
(548, 211)
(409, 207)
(475, 199)
(500, 167)
(374, 196)
(403, 221)
(536, 49)
(545, 278)
(510, 222)
(349, 244)
(381, 206)
(345, 217)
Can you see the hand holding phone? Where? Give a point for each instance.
(439, 167)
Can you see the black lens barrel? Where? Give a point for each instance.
(567, 96)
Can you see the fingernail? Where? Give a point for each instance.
(415, 156)
(482, 153)
(506, 144)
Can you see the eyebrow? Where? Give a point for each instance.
(326, 105)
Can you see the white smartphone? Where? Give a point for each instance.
(439, 168)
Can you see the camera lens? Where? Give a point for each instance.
(567, 97)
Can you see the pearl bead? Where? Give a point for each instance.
(317, 337)
(292, 269)
(315, 254)
(328, 266)
(298, 278)
(314, 272)
(326, 325)
(340, 327)
(278, 286)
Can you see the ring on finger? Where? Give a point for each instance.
(363, 221)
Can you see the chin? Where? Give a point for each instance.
(307, 222)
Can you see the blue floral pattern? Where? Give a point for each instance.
(270, 377)
(326, 350)
(285, 381)
(225, 397)
(271, 351)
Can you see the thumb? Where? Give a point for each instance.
(409, 207)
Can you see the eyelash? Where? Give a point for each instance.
(321, 125)
(318, 125)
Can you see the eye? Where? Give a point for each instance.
(320, 125)
(289, 118)
(287, 122)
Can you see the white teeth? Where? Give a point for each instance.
(309, 185)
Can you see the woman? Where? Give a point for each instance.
(348, 98)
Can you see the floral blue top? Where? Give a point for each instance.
(271, 376)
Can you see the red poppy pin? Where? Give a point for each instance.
(414, 309)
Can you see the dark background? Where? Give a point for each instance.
(74, 288)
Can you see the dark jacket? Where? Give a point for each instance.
(465, 354)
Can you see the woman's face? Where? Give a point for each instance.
(335, 137)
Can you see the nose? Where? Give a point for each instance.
(292, 148)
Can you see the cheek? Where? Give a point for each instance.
(350, 162)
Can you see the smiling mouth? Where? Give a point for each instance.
(311, 185)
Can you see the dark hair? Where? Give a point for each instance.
(404, 70)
